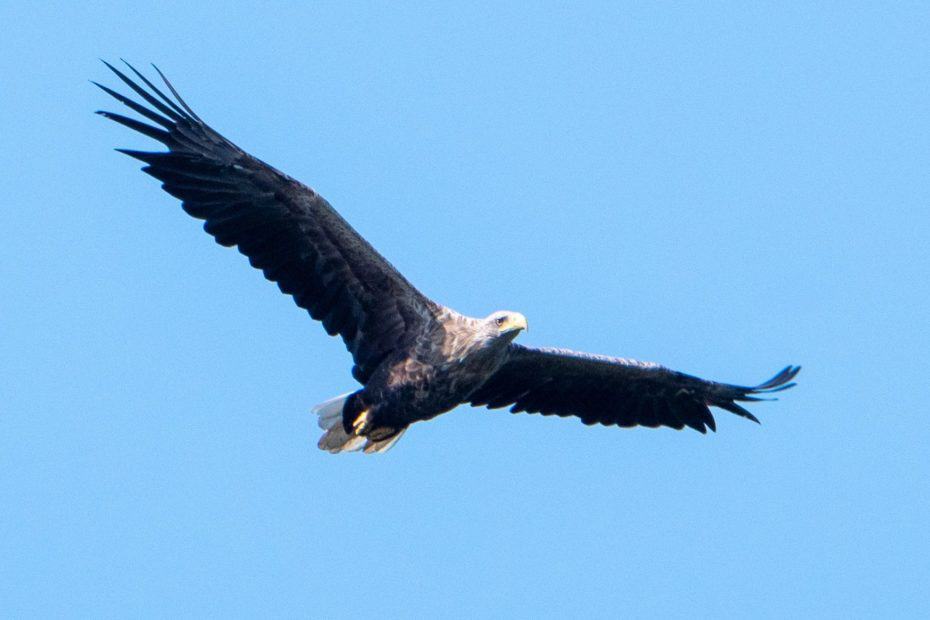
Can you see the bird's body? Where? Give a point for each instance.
(442, 367)
(414, 358)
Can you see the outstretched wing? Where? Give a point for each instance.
(285, 228)
(613, 391)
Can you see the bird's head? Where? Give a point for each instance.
(506, 324)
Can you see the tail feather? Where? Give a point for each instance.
(382, 446)
(330, 411)
(336, 439)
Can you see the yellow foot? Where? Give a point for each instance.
(360, 425)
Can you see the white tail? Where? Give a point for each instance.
(336, 439)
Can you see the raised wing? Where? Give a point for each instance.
(613, 391)
(285, 228)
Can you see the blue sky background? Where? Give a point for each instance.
(724, 189)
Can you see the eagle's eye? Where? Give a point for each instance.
(500, 320)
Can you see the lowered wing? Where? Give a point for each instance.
(614, 391)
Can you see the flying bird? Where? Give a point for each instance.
(414, 358)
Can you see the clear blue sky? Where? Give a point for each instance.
(725, 190)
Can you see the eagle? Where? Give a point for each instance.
(413, 357)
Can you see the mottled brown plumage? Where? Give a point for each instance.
(414, 358)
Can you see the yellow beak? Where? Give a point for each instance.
(514, 322)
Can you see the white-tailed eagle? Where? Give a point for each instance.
(413, 357)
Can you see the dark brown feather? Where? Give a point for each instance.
(285, 228)
(614, 391)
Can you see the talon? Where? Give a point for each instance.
(360, 424)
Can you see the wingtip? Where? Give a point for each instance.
(781, 381)
(110, 67)
(143, 156)
(176, 94)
